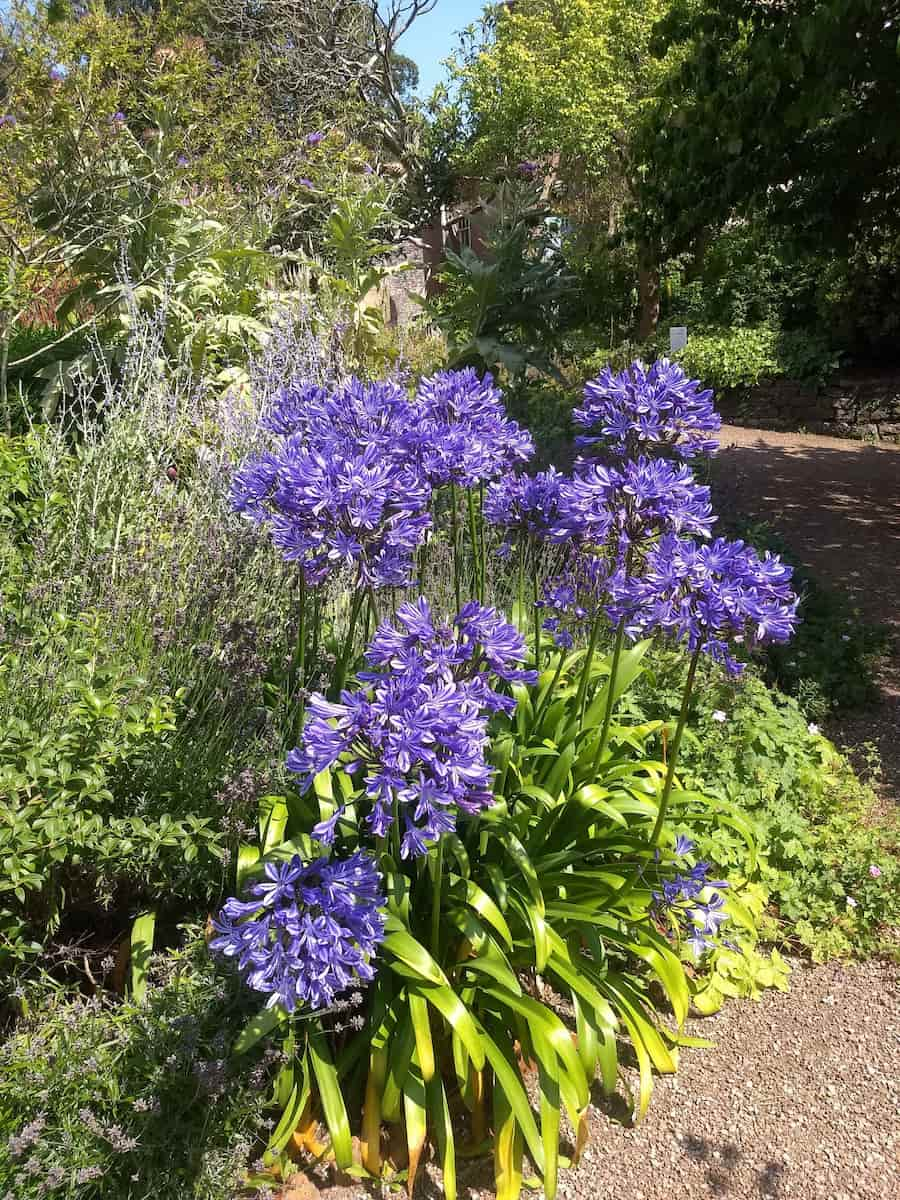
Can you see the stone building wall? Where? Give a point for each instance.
(855, 404)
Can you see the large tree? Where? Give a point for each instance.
(566, 82)
(787, 108)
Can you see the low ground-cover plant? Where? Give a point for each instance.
(106, 1099)
(825, 854)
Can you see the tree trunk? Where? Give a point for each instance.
(648, 291)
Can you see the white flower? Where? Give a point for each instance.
(718, 715)
(845, 637)
(851, 903)
(813, 728)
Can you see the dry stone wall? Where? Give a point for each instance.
(854, 404)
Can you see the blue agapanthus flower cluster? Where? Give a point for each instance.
(680, 901)
(462, 434)
(307, 931)
(526, 504)
(349, 481)
(634, 501)
(416, 733)
(573, 598)
(706, 595)
(648, 408)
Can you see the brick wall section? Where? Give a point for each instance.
(854, 404)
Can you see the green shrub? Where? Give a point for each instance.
(732, 358)
(826, 858)
(110, 1101)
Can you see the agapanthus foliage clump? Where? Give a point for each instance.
(307, 931)
(414, 737)
(648, 409)
(707, 595)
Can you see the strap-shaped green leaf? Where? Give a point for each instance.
(333, 1108)
(457, 1016)
(258, 1027)
(443, 1130)
(418, 1012)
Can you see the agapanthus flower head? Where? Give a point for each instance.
(525, 503)
(306, 931)
(706, 595)
(647, 409)
(334, 509)
(572, 599)
(692, 903)
(415, 735)
(461, 433)
(637, 500)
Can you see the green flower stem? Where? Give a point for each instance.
(676, 745)
(340, 672)
(454, 527)
(483, 545)
(548, 695)
(473, 535)
(610, 697)
(581, 695)
(436, 898)
(301, 651)
(520, 590)
(537, 612)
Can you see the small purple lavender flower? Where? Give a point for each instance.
(416, 734)
(118, 118)
(313, 139)
(58, 72)
(706, 595)
(527, 169)
(7, 119)
(182, 161)
(308, 931)
(306, 184)
(644, 409)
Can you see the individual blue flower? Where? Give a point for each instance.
(414, 737)
(460, 432)
(647, 409)
(58, 72)
(307, 931)
(680, 903)
(708, 595)
(313, 139)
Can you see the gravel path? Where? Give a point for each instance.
(799, 1098)
(837, 504)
